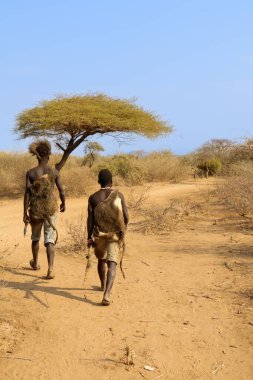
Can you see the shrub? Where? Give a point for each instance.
(135, 169)
(236, 192)
(13, 167)
(77, 181)
(163, 166)
(77, 234)
(136, 199)
(214, 165)
(128, 167)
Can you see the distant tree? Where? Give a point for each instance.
(243, 152)
(213, 154)
(71, 120)
(91, 150)
(138, 153)
(216, 148)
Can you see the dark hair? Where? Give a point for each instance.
(104, 177)
(40, 148)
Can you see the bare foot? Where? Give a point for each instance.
(34, 266)
(50, 274)
(106, 300)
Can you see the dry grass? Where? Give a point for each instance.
(158, 219)
(78, 180)
(136, 199)
(156, 166)
(164, 166)
(128, 358)
(236, 191)
(12, 173)
(127, 169)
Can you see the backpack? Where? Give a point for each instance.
(109, 218)
(42, 200)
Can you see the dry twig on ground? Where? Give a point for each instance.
(158, 219)
(128, 357)
(77, 234)
(136, 200)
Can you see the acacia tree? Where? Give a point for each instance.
(71, 120)
(91, 150)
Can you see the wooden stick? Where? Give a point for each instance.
(218, 368)
(144, 262)
(87, 265)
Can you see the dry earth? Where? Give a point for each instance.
(185, 308)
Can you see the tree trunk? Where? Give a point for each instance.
(72, 145)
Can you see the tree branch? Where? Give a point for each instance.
(59, 146)
(72, 145)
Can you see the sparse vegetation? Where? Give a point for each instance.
(236, 191)
(158, 219)
(153, 167)
(222, 158)
(136, 199)
(128, 169)
(76, 232)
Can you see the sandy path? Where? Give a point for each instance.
(179, 308)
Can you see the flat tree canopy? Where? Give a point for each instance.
(70, 120)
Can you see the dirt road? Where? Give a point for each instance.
(180, 310)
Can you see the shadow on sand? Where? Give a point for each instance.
(39, 284)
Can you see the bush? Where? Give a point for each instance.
(136, 169)
(13, 167)
(136, 199)
(158, 219)
(163, 166)
(213, 165)
(128, 167)
(236, 192)
(77, 181)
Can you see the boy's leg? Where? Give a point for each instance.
(102, 272)
(49, 235)
(112, 259)
(111, 273)
(100, 253)
(35, 252)
(36, 232)
(50, 260)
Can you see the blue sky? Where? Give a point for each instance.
(190, 61)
